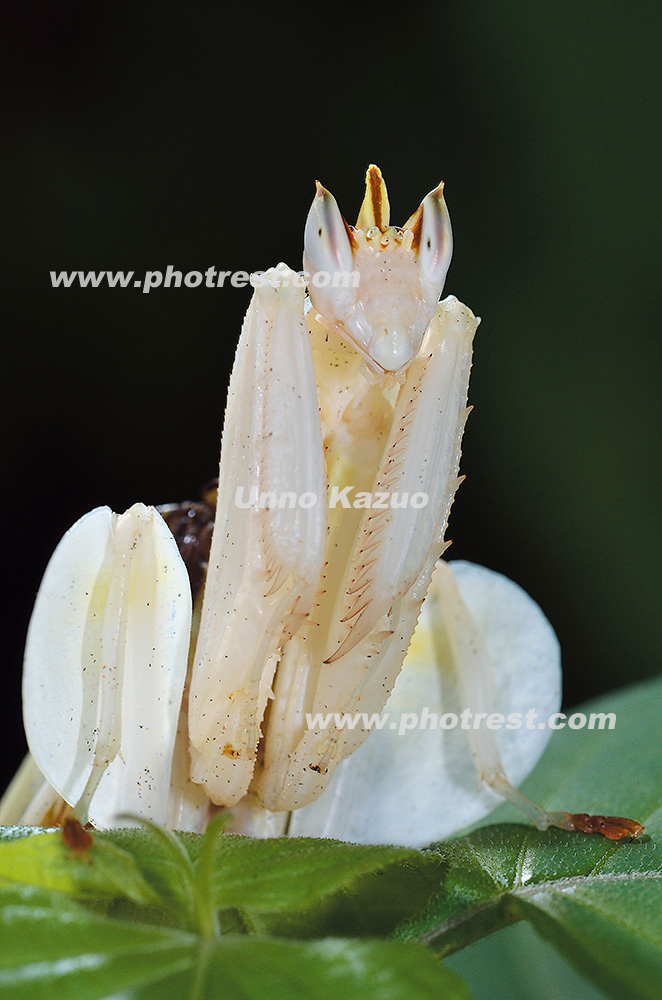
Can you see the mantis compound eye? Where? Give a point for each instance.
(436, 239)
(327, 238)
(328, 258)
(375, 285)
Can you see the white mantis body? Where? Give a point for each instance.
(332, 594)
(359, 396)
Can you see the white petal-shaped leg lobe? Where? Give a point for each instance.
(412, 786)
(155, 630)
(265, 561)
(373, 611)
(62, 665)
(105, 664)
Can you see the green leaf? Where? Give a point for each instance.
(295, 887)
(52, 946)
(285, 874)
(490, 875)
(43, 859)
(517, 964)
(613, 932)
(364, 970)
(598, 901)
(373, 905)
(278, 875)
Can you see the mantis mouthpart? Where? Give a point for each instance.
(339, 464)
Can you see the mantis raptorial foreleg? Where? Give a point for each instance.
(374, 585)
(265, 561)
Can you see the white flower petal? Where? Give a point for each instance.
(421, 786)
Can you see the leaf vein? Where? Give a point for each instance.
(523, 891)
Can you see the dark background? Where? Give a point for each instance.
(191, 136)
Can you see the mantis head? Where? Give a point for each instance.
(376, 285)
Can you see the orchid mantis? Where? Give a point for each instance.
(333, 594)
(346, 412)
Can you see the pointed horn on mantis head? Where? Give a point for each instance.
(375, 285)
(375, 210)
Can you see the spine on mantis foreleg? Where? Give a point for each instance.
(376, 607)
(265, 561)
